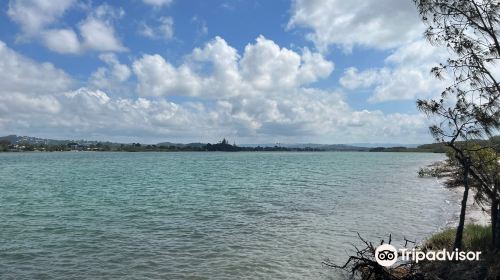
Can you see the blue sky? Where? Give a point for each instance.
(252, 71)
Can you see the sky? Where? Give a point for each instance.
(299, 71)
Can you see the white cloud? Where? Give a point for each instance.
(265, 66)
(20, 74)
(62, 41)
(39, 19)
(120, 72)
(405, 84)
(39, 99)
(34, 15)
(218, 70)
(385, 25)
(353, 79)
(376, 24)
(28, 88)
(97, 35)
(92, 112)
(263, 93)
(158, 77)
(417, 52)
(405, 76)
(158, 3)
(111, 77)
(98, 32)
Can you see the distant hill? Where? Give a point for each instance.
(15, 140)
(12, 139)
(35, 143)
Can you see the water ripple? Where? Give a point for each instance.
(205, 215)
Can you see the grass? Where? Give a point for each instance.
(475, 238)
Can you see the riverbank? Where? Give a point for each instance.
(477, 237)
(474, 214)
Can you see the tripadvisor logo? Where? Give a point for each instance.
(387, 255)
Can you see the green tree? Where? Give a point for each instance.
(469, 108)
(484, 160)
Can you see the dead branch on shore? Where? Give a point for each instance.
(363, 264)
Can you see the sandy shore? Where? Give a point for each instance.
(474, 213)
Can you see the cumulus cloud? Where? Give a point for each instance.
(263, 93)
(370, 24)
(98, 35)
(158, 77)
(39, 19)
(405, 76)
(62, 41)
(112, 76)
(375, 24)
(20, 74)
(28, 89)
(96, 112)
(265, 65)
(34, 15)
(39, 99)
(218, 70)
(87, 112)
(97, 30)
(353, 79)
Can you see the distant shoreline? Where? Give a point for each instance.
(206, 151)
(14, 143)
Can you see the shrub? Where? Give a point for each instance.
(476, 238)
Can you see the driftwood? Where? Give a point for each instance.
(363, 265)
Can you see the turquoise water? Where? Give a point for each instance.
(206, 215)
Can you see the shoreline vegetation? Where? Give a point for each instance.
(476, 237)
(14, 143)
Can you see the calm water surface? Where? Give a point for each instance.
(206, 215)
